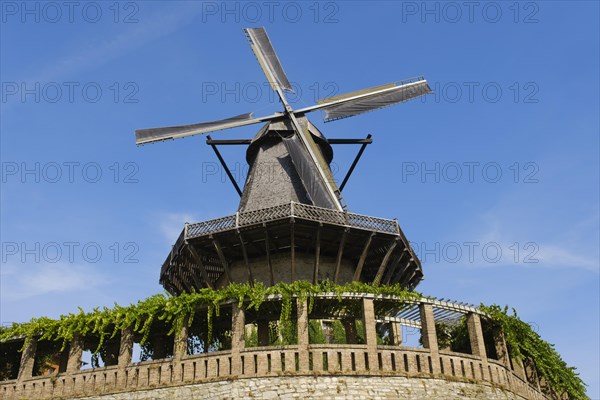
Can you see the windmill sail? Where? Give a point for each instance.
(269, 62)
(309, 175)
(362, 101)
(150, 135)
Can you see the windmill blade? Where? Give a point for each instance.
(264, 52)
(311, 166)
(143, 136)
(308, 173)
(362, 101)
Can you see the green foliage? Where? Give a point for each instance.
(454, 337)
(175, 312)
(315, 332)
(339, 333)
(524, 343)
(251, 337)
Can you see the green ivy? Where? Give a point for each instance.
(178, 311)
(525, 344)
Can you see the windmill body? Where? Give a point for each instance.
(291, 222)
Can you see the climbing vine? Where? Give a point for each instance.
(175, 312)
(526, 344)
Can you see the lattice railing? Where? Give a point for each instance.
(288, 210)
(211, 226)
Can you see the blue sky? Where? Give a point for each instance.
(494, 178)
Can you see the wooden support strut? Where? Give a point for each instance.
(317, 254)
(292, 250)
(177, 283)
(406, 273)
(224, 262)
(188, 261)
(245, 255)
(195, 278)
(338, 260)
(225, 167)
(268, 251)
(200, 265)
(185, 281)
(393, 268)
(363, 257)
(384, 262)
(367, 141)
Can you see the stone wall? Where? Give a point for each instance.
(324, 387)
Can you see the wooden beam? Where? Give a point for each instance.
(368, 140)
(200, 264)
(418, 275)
(292, 250)
(360, 152)
(245, 255)
(177, 283)
(392, 269)
(213, 142)
(268, 250)
(226, 142)
(225, 167)
(340, 253)
(181, 272)
(189, 263)
(363, 257)
(385, 261)
(406, 276)
(401, 277)
(224, 262)
(317, 254)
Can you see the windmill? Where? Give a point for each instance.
(290, 223)
(307, 148)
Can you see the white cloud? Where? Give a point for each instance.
(505, 237)
(25, 281)
(561, 256)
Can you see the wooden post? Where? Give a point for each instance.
(125, 355)
(396, 333)
(238, 325)
(350, 328)
(519, 368)
(302, 321)
(370, 333)
(126, 348)
(476, 335)
(317, 255)
(27, 360)
(75, 353)
(531, 374)
(501, 348)
(340, 253)
(292, 250)
(181, 342)
(429, 335)
(159, 350)
(263, 332)
(477, 342)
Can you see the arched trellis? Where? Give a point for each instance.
(300, 357)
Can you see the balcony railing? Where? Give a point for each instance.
(296, 210)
